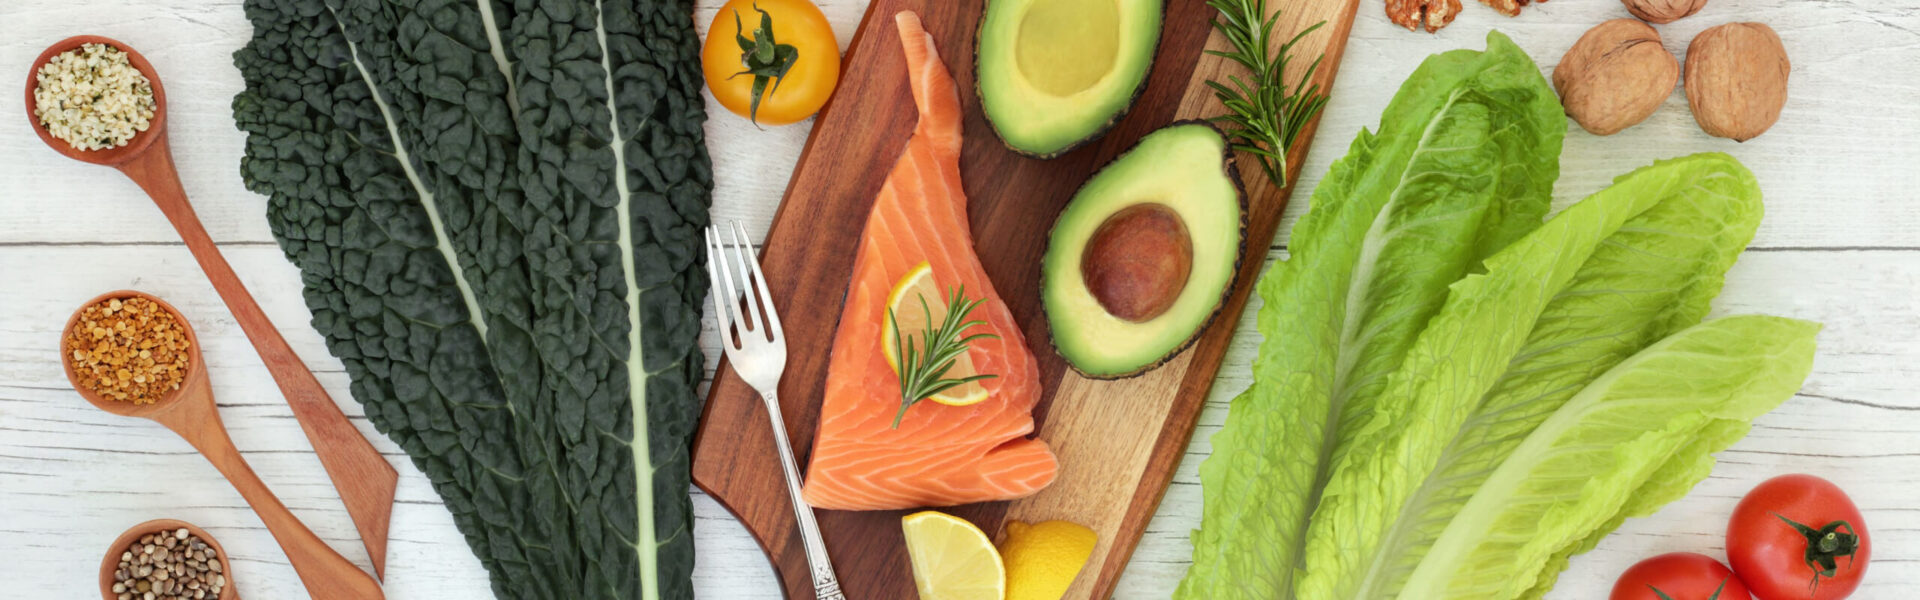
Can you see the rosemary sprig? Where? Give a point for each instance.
(1265, 114)
(923, 368)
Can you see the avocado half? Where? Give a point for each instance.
(1053, 74)
(1142, 257)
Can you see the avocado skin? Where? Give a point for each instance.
(979, 40)
(1232, 172)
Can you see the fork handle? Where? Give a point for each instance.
(826, 585)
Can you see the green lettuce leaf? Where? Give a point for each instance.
(1682, 398)
(1655, 276)
(1464, 164)
(1598, 282)
(1682, 471)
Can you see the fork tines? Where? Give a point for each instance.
(732, 292)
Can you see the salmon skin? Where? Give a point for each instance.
(939, 455)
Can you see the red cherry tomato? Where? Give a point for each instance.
(1679, 576)
(1798, 537)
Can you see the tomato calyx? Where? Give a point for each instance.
(1825, 546)
(762, 57)
(1715, 596)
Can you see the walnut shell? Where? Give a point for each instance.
(1737, 80)
(1663, 11)
(1615, 76)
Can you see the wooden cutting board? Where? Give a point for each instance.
(1118, 442)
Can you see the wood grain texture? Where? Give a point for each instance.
(1838, 246)
(1117, 441)
(1112, 433)
(365, 480)
(189, 411)
(325, 573)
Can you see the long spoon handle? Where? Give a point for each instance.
(326, 574)
(363, 478)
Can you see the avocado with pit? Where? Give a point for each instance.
(1142, 257)
(1054, 74)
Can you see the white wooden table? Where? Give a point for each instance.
(1841, 245)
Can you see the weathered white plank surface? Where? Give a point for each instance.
(1841, 244)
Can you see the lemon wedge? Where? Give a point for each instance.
(1043, 559)
(904, 302)
(952, 559)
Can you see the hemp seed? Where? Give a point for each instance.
(93, 98)
(147, 571)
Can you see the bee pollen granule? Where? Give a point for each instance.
(128, 350)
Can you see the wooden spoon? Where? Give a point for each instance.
(111, 562)
(190, 412)
(363, 478)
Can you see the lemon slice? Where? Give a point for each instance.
(952, 559)
(1044, 558)
(904, 301)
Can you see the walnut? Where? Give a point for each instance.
(1737, 80)
(1663, 11)
(1615, 76)
(1509, 8)
(1414, 14)
(1434, 14)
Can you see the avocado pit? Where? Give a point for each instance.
(1138, 261)
(1142, 257)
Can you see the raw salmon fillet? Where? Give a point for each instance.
(940, 455)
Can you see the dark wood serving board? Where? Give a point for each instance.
(1118, 442)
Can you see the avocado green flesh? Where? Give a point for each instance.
(1054, 73)
(1183, 168)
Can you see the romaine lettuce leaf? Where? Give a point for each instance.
(1594, 266)
(1654, 277)
(1682, 398)
(1464, 163)
(1682, 471)
(1387, 403)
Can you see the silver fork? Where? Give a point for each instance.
(758, 351)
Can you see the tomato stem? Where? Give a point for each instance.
(1825, 546)
(1715, 596)
(762, 57)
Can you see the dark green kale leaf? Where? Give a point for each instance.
(494, 206)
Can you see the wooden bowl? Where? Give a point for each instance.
(112, 560)
(196, 367)
(109, 156)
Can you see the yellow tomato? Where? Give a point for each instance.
(808, 82)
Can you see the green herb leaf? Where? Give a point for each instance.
(1264, 116)
(924, 366)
